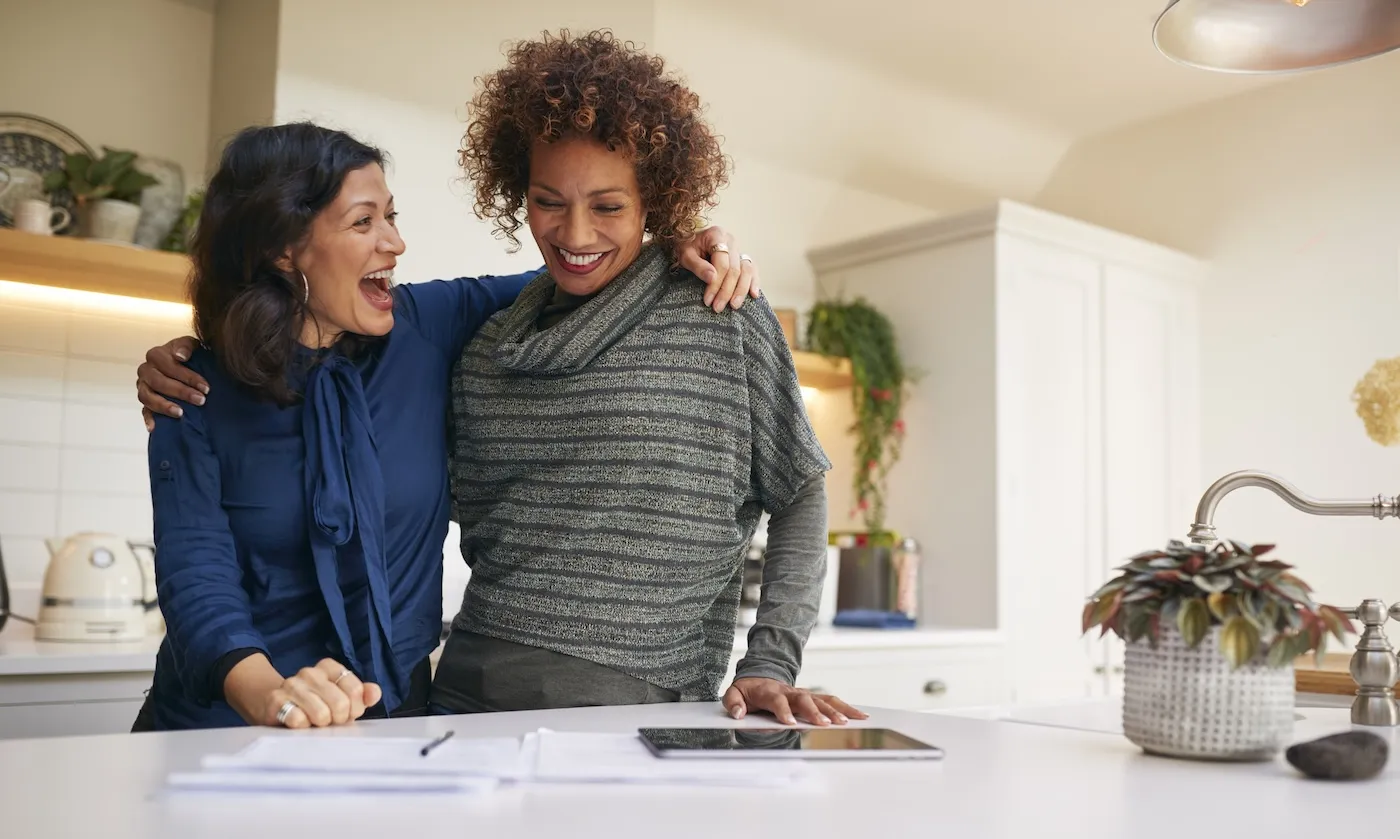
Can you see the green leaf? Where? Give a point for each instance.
(1270, 614)
(1281, 652)
(77, 165)
(1139, 624)
(1212, 583)
(129, 185)
(1249, 608)
(1321, 649)
(1193, 621)
(1222, 605)
(1239, 641)
(55, 180)
(1102, 610)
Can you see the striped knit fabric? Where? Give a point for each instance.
(609, 472)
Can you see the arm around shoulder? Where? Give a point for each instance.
(449, 312)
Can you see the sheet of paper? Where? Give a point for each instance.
(490, 757)
(290, 782)
(571, 757)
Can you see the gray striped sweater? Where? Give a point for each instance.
(608, 473)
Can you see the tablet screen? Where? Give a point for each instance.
(797, 739)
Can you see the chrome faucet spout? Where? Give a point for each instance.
(1373, 664)
(1203, 529)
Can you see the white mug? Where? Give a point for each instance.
(37, 216)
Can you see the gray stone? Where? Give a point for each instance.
(1349, 756)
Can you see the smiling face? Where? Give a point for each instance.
(348, 260)
(585, 212)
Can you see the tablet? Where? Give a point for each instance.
(793, 743)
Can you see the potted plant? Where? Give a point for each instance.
(1211, 632)
(858, 331)
(107, 193)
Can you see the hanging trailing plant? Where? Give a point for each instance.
(857, 331)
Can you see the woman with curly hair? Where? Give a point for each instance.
(616, 442)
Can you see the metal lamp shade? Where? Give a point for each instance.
(1276, 36)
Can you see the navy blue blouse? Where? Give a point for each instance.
(314, 530)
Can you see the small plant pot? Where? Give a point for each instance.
(109, 220)
(1189, 703)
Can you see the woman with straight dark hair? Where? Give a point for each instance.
(301, 507)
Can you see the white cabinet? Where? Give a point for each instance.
(910, 670)
(1054, 429)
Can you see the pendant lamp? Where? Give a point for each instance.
(1276, 36)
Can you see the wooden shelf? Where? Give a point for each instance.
(69, 262)
(819, 371)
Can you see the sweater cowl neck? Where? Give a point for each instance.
(572, 344)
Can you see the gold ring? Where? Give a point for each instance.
(343, 674)
(720, 248)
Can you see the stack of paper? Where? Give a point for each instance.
(300, 763)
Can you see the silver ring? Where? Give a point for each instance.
(720, 248)
(285, 711)
(743, 257)
(343, 674)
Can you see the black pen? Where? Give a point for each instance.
(433, 745)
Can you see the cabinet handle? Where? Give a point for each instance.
(1117, 670)
(934, 687)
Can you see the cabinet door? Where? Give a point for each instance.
(1151, 419)
(1049, 465)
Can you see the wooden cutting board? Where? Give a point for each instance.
(1333, 676)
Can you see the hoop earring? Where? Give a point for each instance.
(306, 298)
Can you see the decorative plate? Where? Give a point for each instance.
(32, 147)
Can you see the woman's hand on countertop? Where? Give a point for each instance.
(327, 694)
(789, 704)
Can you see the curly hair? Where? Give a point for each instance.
(593, 86)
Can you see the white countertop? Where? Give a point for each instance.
(21, 655)
(999, 779)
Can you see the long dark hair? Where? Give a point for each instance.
(271, 183)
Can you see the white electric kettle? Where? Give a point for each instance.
(95, 589)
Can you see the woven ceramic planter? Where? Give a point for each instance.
(1181, 702)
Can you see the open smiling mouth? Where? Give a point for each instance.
(579, 263)
(375, 288)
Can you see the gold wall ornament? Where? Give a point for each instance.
(1377, 399)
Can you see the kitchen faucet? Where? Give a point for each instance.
(1374, 665)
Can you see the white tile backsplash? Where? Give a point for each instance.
(26, 557)
(101, 382)
(72, 444)
(125, 515)
(33, 328)
(103, 472)
(104, 427)
(28, 513)
(29, 467)
(32, 421)
(31, 375)
(119, 339)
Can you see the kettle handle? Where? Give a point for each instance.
(141, 545)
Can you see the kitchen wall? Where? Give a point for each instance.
(133, 74)
(1293, 194)
(72, 443)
